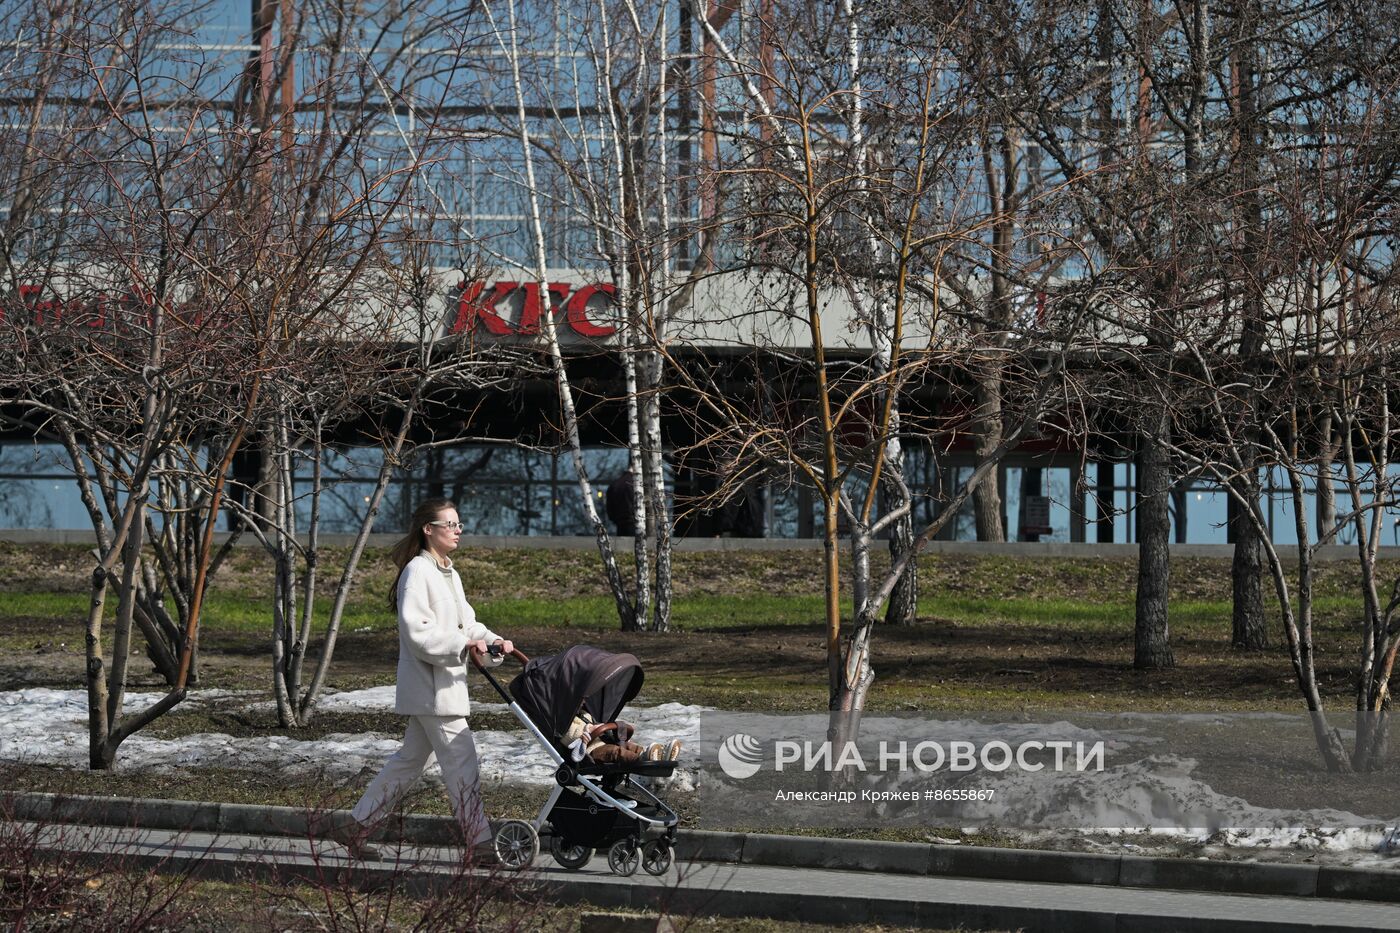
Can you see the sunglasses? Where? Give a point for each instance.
(450, 526)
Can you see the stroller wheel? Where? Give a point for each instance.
(517, 844)
(624, 857)
(656, 857)
(570, 856)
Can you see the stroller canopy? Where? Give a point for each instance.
(551, 690)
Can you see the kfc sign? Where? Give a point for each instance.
(517, 308)
(104, 312)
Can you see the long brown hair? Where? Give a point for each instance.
(413, 543)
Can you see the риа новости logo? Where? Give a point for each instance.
(740, 756)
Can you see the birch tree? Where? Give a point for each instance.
(599, 161)
(826, 211)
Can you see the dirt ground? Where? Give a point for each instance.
(934, 665)
(929, 666)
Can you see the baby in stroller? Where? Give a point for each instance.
(603, 798)
(611, 741)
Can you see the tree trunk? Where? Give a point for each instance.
(1372, 739)
(1002, 172)
(102, 756)
(903, 608)
(856, 671)
(1152, 648)
(641, 519)
(283, 693)
(653, 468)
(1329, 744)
(842, 728)
(540, 270)
(1328, 445)
(161, 634)
(831, 577)
(1249, 629)
(95, 669)
(986, 498)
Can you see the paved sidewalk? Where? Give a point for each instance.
(720, 889)
(867, 855)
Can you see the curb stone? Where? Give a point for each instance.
(1032, 865)
(897, 858)
(904, 858)
(1202, 875)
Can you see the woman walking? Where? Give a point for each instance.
(437, 628)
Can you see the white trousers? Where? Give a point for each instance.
(449, 739)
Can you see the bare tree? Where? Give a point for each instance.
(1273, 427)
(828, 211)
(94, 369)
(1301, 382)
(384, 355)
(1131, 138)
(183, 266)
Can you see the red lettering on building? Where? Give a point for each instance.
(576, 311)
(533, 309)
(471, 310)
(98, 318)
(492, 309)
(26, 292)
(102, 312)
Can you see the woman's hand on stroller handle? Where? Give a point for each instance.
(493, 654)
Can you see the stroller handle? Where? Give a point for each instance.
(476, 657)
(516, 653)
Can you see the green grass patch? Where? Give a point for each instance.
(235, 613)
(44, 605)
(693, 613)
(748, 629)
(229, 611)
(238, 614)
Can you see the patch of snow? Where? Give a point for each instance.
(44, 726)
(373, 699)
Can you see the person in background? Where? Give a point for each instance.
(620, 503)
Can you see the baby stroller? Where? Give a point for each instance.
(594, 805)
